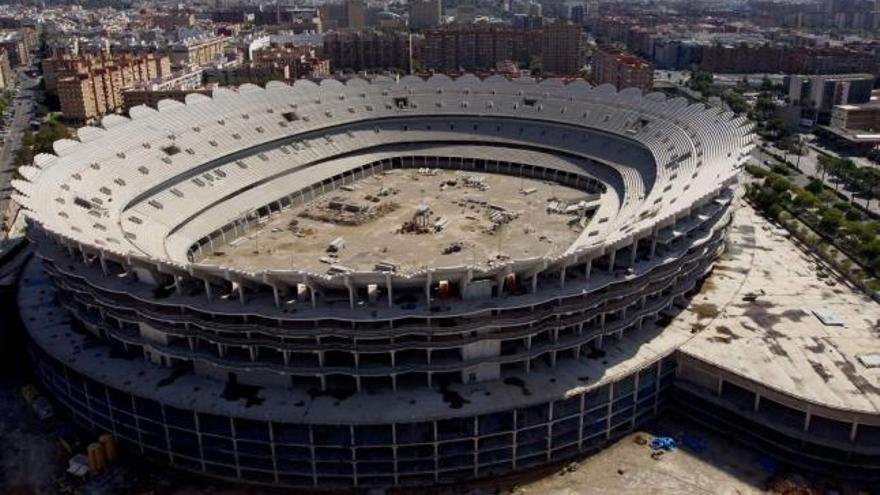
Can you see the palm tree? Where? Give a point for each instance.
(822, 165)
(870, 182)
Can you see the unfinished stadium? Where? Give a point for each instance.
(381, 283)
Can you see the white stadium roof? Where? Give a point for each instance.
(152, 185)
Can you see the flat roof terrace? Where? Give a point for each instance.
(758, 318)
(405, 220)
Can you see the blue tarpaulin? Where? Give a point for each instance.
(663, 443)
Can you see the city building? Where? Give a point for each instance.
(677, 54)
(144, 67)
(7, 77)
(771, 58)
(561, 49)
(742, 58)
(228, 336)
(816, 95)
(865, 117)
(197, 52)
(622, 70)
(477, 46)
(828, 60)
(294, 62)
(16, 46)
(348, 14)
(425, 13)
(855, 127)
(527, 22)
(89, 87)
(367, 50)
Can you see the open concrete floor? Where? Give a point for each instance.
(533, 233)
(777, 338)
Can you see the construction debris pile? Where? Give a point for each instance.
(339, 211)
(422, 222)
(298, 230)
(498, 216)
(477, 182)
(568, 207)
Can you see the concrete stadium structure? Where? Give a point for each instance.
(372, 377)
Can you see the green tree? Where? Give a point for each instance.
(831, 221)
(806, 199)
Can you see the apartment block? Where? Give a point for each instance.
(6, 74)
(477, 46)
(425, 13)
(824, 91)
(197, 51)
(622, 70)
(560, 49)
(89, 87)
(367, 50)
(16, 45)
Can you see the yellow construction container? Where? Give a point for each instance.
(109, 444)
(97, 461)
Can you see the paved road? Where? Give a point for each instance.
(21, 112)
(808, 165)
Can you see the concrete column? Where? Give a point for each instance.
(177, 289)
(611, 258)
(241, 295)
(808, 416)
(657, 388)
(854, 430)
(276, 296)
(632, 256)
(608, 412)
(103, 263)
(562, 278)
(653, 245)
(388, 288)
(428, 278)
(208, 291)
(588, 269)
(757, 402)
(635, 398)
(535, 283)
(351, 292)
(719, 388)
(312, 294)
